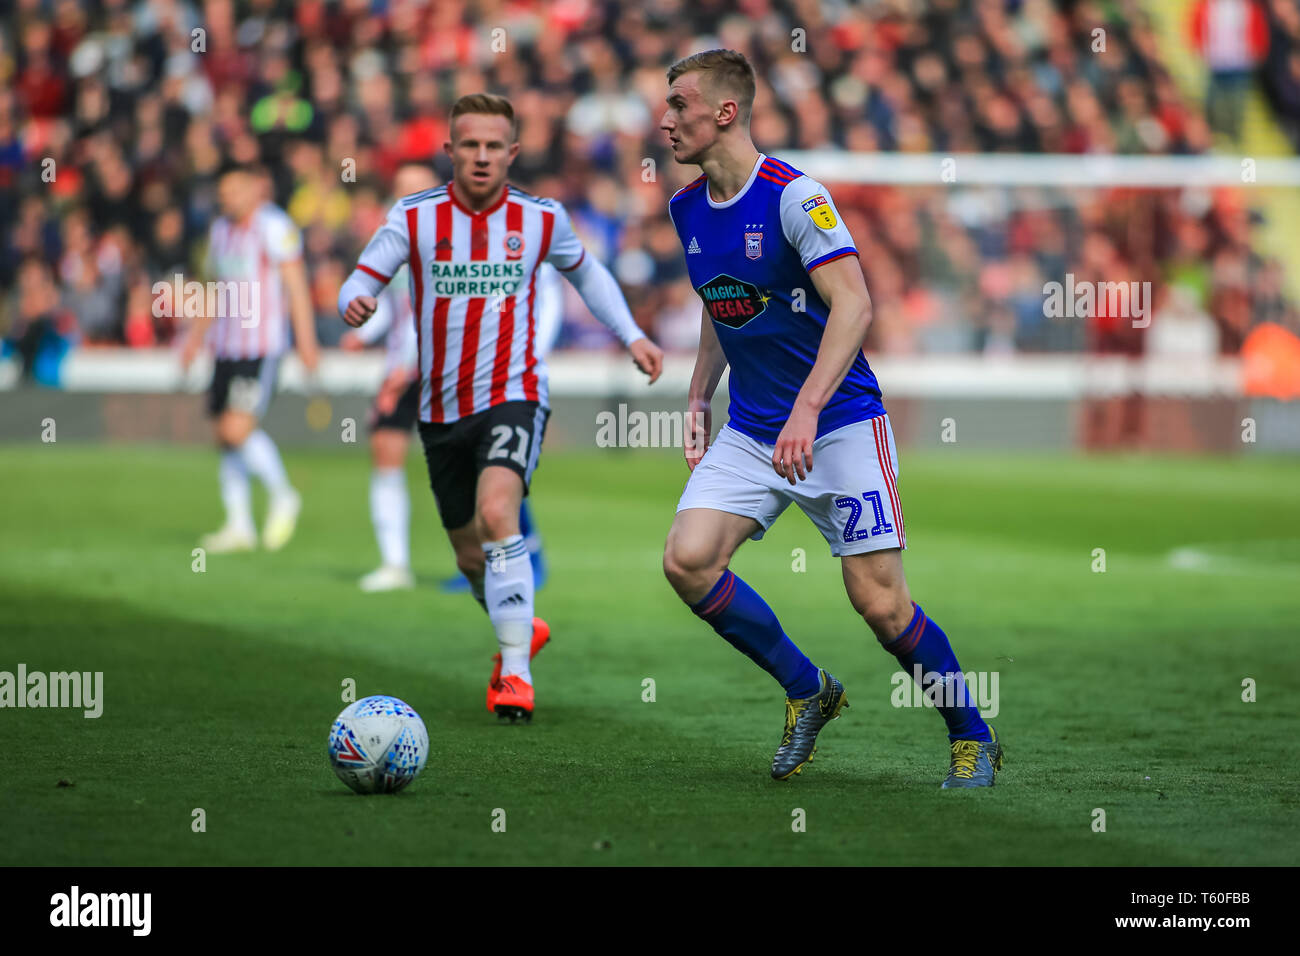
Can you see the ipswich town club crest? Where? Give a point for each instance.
(514, 243)
(753, 245)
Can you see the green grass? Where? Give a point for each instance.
(1119, 691)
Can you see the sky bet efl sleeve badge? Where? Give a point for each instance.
(819, 211)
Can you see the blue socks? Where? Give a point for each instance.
(746, 622)
(924, 644)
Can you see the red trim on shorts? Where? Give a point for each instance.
(887, 469)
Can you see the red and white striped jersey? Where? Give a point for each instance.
(252, 321)
(474, 293)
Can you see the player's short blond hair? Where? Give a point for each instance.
(489, 104)
(726, 72)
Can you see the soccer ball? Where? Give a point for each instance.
(378, 745)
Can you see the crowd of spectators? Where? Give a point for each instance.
(116, 114)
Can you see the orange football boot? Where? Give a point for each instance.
(541, 637)
(514, 699)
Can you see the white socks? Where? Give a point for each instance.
(263, 460)
(508, 591)
(259, 456)
(236, 493)
(390, 512)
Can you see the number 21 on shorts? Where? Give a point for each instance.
(502, 434)
(851, 530)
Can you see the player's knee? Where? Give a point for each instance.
(388, 448)
(233, 430)
(686, 566)
(885, 612)
(497, 518)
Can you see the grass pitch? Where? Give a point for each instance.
(1119, 690)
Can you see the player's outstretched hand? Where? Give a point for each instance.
(649, 357)
(793, 455)
(699, 426)
(360, 310)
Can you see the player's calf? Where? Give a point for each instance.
(923, 650)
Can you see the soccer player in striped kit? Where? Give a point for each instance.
(785, 305)
(396, 409)
(255, 254)
(473, 248)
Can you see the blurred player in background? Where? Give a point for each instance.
(397, 407)
(394, 412)
(474, 249)
(755, 231)
(255, 252)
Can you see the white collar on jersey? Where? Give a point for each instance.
(753, 174)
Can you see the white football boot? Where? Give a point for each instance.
(228, 539)
(388, 577)
(281, 519)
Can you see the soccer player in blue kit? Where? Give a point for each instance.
(786, 307)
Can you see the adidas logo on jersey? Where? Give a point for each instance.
(693, 247)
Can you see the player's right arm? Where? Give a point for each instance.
(384, 254)
(710, 363)
(198, 329)
(373, 330)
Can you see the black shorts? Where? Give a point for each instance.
(508, 434)
(242, 385)
(404, 413)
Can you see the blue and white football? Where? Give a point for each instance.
(378, 745)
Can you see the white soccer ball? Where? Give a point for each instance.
(378, 745)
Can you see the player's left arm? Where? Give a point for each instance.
(602, 295)
(827, 250)
(294, 276)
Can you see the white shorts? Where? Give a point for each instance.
(851, 494)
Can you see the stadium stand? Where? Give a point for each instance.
(115, 116)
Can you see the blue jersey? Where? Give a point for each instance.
(749, 260)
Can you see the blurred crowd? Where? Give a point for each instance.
(115, 116)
